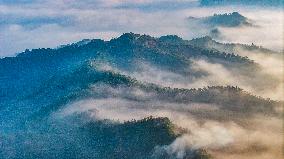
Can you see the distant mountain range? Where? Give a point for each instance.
(234, 19)
(228, 20)
(209, 43)
(276, 3)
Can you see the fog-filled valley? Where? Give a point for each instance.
(203, 82)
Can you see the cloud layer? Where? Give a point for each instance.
(42, 23)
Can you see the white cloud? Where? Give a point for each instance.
(251, 137)
(88, 18)
(17, 38)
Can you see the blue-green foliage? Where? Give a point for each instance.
(37, 83)
(227, 20)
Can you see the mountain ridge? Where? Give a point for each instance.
(274, 3)
(59, 99)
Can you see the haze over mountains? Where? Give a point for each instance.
(22, 26)
(196, 79)
(79, 98)
(234, 19)
(217, 21)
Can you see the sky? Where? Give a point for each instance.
(28, 24)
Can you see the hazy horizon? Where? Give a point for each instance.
(47, 24)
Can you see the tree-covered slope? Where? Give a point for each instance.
(64, 102)
(209, 43)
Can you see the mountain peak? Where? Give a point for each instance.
(233, 19)
(83, 42)
(130, 36)
(171, 38)
(204, 39)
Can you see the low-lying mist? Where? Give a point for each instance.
(267, 81)
(226, 106)
(222, 133)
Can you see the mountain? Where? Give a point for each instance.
(233, 19)
(209, 43)
(276, 3)
(37, 65)
(78, 100)
(226, 20)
